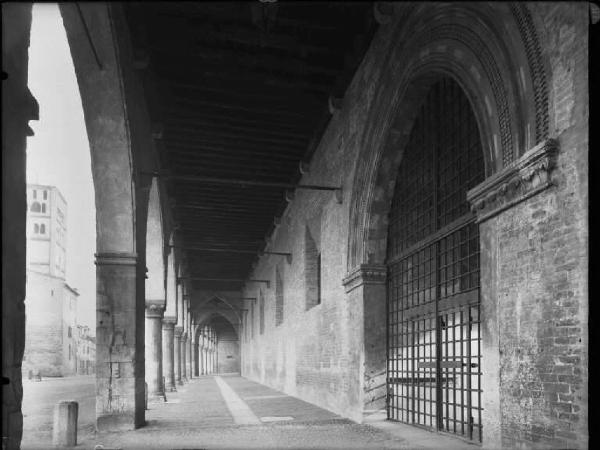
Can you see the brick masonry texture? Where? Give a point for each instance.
(543, 264)
(541, 280)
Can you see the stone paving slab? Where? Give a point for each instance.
(268, 402)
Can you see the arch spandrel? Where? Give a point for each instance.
(431, 40)
(155, 283)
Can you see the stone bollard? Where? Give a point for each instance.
(64, 433)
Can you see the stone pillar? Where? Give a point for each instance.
(64, 430)
(119, 329)
(366, 290)
(190, 357)
(196, 360)
(177, 354)
(183, 343)
(168, 345)
(154, 357)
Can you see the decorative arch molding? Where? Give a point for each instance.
(237, 319)
(205, 317)
(503, 77)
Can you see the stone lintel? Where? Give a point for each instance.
(365, 274)
(155, 308)
(518, 181)
(115, 259)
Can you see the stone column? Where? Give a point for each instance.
(200, 359)
(168, 344)
(366, 290)
(119, 330)
(154, 363)
(190, 357)
(196, 360)
(183, 343)
(177, 352)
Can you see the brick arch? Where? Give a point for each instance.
(232, 316)
(469, 43)
(206, 317)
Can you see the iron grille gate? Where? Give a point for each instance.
(433, 338)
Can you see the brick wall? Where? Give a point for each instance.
(540, 280)
(44, 326)
(542, 256)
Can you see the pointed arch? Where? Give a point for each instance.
(465, 42)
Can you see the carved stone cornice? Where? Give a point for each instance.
(155, 309)
(365, 274)
(115, 259)
(169, 322)
(518, 181)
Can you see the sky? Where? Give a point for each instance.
(58, 154)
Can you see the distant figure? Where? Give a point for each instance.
(38, 376)
(30, 374)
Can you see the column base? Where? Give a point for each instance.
(117, 422)
(172, 389)
(157, 397)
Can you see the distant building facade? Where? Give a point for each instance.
(51, 304)
(86, 351)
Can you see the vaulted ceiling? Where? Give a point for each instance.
(239, 92)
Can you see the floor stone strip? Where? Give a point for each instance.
(241, 412)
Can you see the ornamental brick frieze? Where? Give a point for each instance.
(365, 274)
(522, 179)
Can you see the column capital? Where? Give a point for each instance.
(521, 179)
(154, 309)
(365, 274)
(115, 259)
(178, 331)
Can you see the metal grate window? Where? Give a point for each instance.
(433, 336)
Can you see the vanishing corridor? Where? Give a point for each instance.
(376, 210)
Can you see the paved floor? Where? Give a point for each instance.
(228, 412)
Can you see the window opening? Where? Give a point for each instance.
(262, 313)
(278, 297)
(319, 279)
(312, 270)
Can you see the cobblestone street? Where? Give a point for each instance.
(202, 415)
